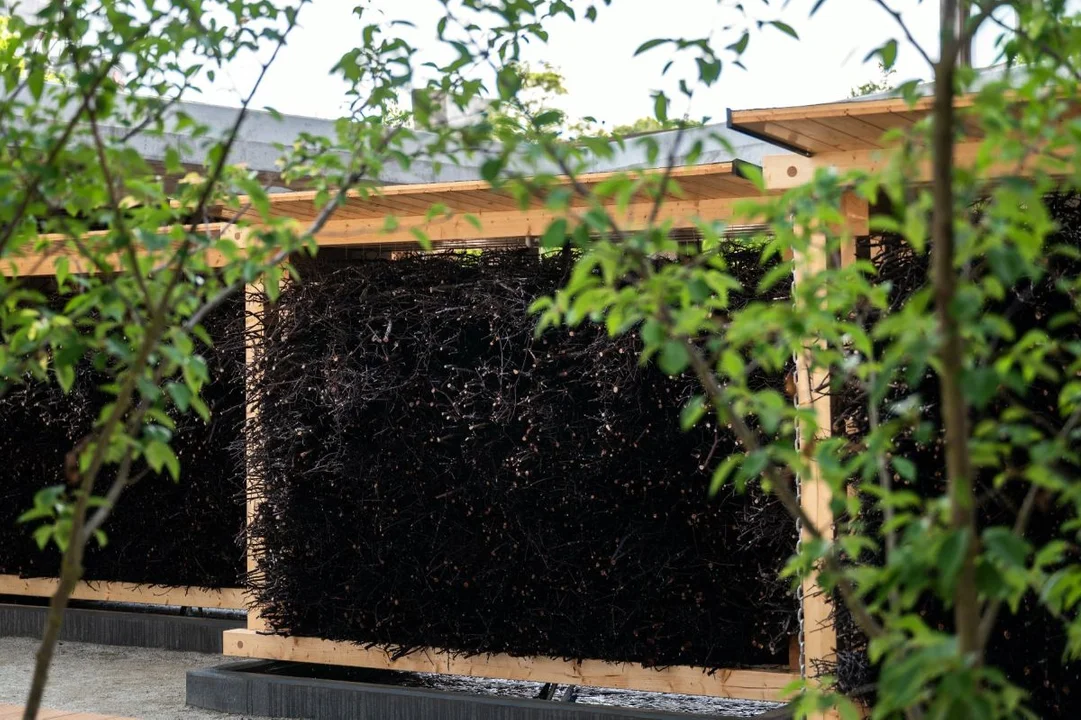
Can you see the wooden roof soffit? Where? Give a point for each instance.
(832, 127)
(476, 211)
(849, 136)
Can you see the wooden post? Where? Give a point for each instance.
(813, 391)
(254, 324)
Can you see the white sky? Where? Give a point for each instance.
(603, 78)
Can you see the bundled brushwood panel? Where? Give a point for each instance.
(161, 532)
(1028, 645)
(434, 475)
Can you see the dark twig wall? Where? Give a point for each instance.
(1028, 645)
(161, 533)
(434, 475)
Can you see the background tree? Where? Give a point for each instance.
(936, 547)
(67, 168)
(885, 82)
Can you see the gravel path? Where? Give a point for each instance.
(133, 682)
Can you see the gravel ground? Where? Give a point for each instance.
(133, 682)
(147, 683)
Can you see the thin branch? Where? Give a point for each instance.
(33, 190)
(905, 29)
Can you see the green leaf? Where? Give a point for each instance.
(785, 28)
(490, 169)
(723, 471)
(951, 555)
(649, 45)
(180, 394)
(159, 455)
(422, 238)
(42, 535)
(35, 80)
(692, 412)
(65, 376)
(673, 358)
(904, 467)
(63, 271)
(555, 235)
(660, 106)
(653, 333)
(549, 117)
(980, 385)
(1007, 548)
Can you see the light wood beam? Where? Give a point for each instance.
(784, 172)
(230, 598)
(507, 224)
(41, 258)
(744, 684)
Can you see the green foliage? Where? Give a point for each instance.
(82, 78)
(932, 550)
(651, 124)
(884, 83)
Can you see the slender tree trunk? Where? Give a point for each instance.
(70, 573)
(951, 352)
(71, 569)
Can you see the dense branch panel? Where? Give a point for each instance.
(1028, 646)
(436, 476)
(161, 532)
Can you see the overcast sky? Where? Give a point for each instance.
(603, 78)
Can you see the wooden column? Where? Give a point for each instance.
(254, 320)
(813, 391)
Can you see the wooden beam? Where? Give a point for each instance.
(230, 598)
(847, 108)
(743, 684)
(41, 257)
(507, 224)
(473, 186)
(784, 172)
(254, 318)
(812, 390)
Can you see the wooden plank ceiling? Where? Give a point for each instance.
(844, 126)
(697, 182)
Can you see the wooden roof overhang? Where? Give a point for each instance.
(853, 135)
(474, 211)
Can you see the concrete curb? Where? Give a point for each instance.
(107, 627)
(240, 688)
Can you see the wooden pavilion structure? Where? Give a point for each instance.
(842, 136)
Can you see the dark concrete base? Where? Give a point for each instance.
(241, 688)
(107, 627)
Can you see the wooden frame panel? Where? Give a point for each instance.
(226, 598)
(746, 684)
(717, 189)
